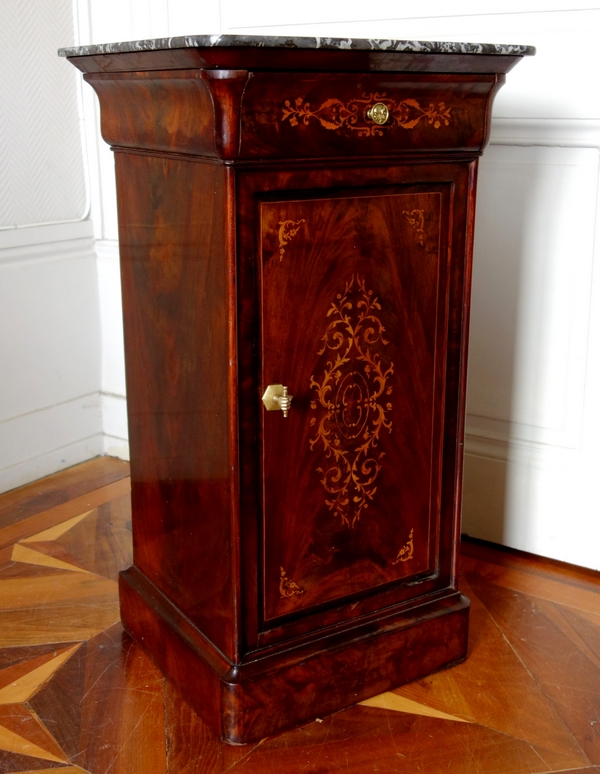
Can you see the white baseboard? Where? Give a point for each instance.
(532, 497)
(116, 447)
(51, 462)
(48, 440)
(114, 416)
(114, 425)
(50, 351)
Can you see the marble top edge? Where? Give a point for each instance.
(262, 41)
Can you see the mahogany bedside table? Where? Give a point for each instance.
(296, 224)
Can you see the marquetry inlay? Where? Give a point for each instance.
(287, 587)
(352, 402)
(407, 550)
(416, 219)
(355, 114)
(287, 231)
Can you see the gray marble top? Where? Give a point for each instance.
(206, 41)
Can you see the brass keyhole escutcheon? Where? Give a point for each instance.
(276, 398)
(379, 113)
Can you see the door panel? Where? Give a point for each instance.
(353, 320)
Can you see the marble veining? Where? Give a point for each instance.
(262, 41)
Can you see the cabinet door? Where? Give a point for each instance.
(354, 307)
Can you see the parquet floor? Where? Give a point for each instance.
(76, 695)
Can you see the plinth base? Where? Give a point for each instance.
(272, 693)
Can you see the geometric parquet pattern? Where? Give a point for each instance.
(76, 695)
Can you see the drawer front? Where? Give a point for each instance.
(331, 115)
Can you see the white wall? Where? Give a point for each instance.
(49, 313)
(533, 427)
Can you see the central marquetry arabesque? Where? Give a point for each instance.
(350, 393)
(345, 331)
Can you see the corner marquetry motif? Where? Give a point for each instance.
(407, 550)
(416, 219)
(287, 587)
(334, 114)
(350, 404)
(287, 231)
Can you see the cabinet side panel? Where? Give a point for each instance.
(173, 264)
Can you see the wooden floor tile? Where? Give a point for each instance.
(12, 569)
(72, 606)
(575, 596)
(69, 484)
(588, 770)
(19, 530)
(102, 543)
(564, 673)
(191, 747)
(399, 703)
(97, 541)
(74, 688)
(34, 592)
(61, 770)
(584, 634)
(22, 688)
(122, 710)
(19, 655)
(20, 681)
(46, 556)
(58, 702)
(362, 740)
(12, 673)
(494, 689)
(587, 627)
(53, 533)
(20, 764)
(530, 563)
(22, 733)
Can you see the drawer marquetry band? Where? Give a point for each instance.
(365, 115)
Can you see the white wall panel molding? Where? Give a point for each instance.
(518, 452)
(50, 352)
(532, 448)
(50, 439)
(116, 447)
(42, 176)
(44, 234)
(114, 401)
(548, 509)
(45, 252)
(107, 250)
(532, 284)
(50, 343)
(567, 133)
(111, 319)
(51, 462)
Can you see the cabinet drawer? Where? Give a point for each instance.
(329, 114)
